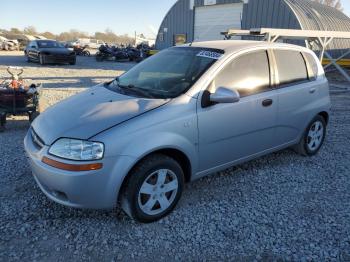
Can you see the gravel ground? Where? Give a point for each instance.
(86, 73)
(279, 207)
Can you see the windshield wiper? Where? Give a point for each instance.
(137, 90)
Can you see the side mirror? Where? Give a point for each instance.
(223, 95)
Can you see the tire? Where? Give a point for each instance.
(33, 115)
(162, 180)
(73, 62)
(99, 57)
(86, 53)
(2, 122)
(312, 142)
(41, 59)
(28, 59)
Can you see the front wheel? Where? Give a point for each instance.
(33, 115)
(154, 187)
(41, 59)
(2, 122)
(313, 137)
(73, 62)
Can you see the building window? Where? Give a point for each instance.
(161, 37)
(180, 39)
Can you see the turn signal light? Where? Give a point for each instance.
(70, 167)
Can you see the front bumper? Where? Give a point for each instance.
(89, 189)
(53, 59)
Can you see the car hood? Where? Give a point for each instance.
(61, 51)
(84, 115)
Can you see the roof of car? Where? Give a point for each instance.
(230, 46)
(45, 40)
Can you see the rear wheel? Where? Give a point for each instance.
(86, 53)
(154, 187)
(99, 58)
(313, 137)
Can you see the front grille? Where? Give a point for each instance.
(38, 142)
(60, 58)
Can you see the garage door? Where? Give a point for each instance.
(211, 20)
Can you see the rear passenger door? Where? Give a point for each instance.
(233, 132)
(296, 90)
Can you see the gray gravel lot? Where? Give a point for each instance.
(279, 207)
(83, 74)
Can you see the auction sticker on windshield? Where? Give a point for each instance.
(210, 54)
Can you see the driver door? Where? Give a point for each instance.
(236, 131)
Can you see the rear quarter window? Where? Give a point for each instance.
(312, 66)
(291, 67)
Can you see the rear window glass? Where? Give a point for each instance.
(291, 67)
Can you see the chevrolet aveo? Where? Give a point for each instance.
(182, 114)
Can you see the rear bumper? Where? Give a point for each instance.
(91, 189)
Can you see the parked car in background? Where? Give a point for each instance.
(182, 114)
(49, 52)
(8, 44)
(88, 43)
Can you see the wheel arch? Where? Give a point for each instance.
(325, 116)
(176, 154)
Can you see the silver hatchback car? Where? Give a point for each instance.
(182, 114)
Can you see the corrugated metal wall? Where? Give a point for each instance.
(292, 14)
(313, 16)
(180, 20)
(268, 13)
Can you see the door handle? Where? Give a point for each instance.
(267, 102)
(312, 90)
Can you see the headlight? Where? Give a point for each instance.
(74, 149)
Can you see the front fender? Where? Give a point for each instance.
(143, 146)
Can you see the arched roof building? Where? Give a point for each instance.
(199, 20)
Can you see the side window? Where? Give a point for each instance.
(312, 66)
(291, 67)
(248, 74)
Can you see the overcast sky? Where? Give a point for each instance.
(122, 16)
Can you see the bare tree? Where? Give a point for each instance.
(15, 31)
(49, 35)
(72, 35)
(30, 30)
(333, 3)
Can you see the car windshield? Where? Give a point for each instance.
(167, 74)
(49, 44)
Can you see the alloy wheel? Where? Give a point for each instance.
(315, 136)
(158, 192)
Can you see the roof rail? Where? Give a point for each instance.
(320, 39)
